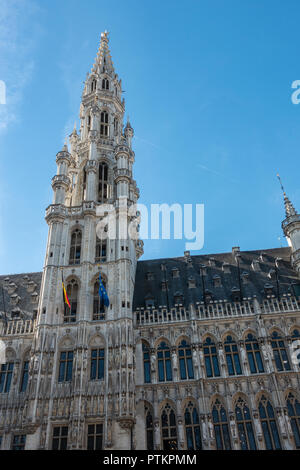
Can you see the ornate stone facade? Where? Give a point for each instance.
(193, 352)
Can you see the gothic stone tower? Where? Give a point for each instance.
(71, 385)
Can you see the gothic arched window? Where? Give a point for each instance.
(103, 178)
(192, 428)
(293, 407)
(244, 425)
(100, 255)
(221, 428)
(93, 85)
(97, 364)
(116, 126)
(75, 248)
(232, 357)
(268, 424)
(149, 429)
(98, 304)
(211, 358)
(185, 361)
(146, 361)
(279, 352)
(168, 428)
(72, 293)
(105, 84)
(253, 354)
(104, 128)
(164, 362)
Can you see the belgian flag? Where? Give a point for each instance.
(66, 300)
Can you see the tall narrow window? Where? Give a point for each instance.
(192, 428)
(268, 424)
(168, 428)
(24, 379)
(232, 357)
(100, 251)
(105, 84)
(6, 372)
(146, 360)
(88, 125)
(293, 407)
(97, 364)
(254, 355)
(60, 438)
(19, 441)
(95, 436)
(98, 304)
(244, 425)
(65, 366)
(185, 361)
(164, 362)
(104, 128)
(221, 428)
(93, 85)
(103, 184)
(72, 293)
(149, 429)
(279, 351)
(211, 358)
(75, 249)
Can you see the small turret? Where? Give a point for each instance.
(291, 229)
(128, 132)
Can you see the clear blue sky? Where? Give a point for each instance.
(208, 91)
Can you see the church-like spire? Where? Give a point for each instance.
(289, 208)
(103, 62)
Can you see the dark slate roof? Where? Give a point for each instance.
(150, 278)
(219, 269)
(19, 296)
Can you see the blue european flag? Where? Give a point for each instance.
(102, 293)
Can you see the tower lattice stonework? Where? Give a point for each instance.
(196, 352)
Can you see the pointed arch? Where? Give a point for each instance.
(211, 359)
(220, 424)
(293, 407)
(244, 423)
(169, 436)
(192, 425)
(280, 351)
(268, 422)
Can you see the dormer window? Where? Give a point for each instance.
(150, 276)
(191, 283)
(245, 277)
(208, 296)
(217, 280)
(226, 268)
(268, 288)
(178, 298)
(212, 262)
(105, 84)
(149, 301)
(236, 294)
(202, 270)
(175, 273)
(255, 265)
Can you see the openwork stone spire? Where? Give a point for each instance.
(289, 208)
(103, 61)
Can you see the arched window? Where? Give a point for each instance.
(211, 358)
(232, 357)
(105, 84)
(72, 293)
(253, 354)
(279, 352)
(88, 123)
(65, 366)
(168, 428)
(185, 361)
(103, 177)
(104, 129)
(221, 428)
(149, 428)
(75, 249)
(192, 428)
(268, 424)
(164, 362)
(146, 360)
(295, 333)
(98, 305)
(293, 407)
(244, 425)
(100, 255)
(97, 364)
(93, 85)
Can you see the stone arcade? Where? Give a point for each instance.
(192, 352)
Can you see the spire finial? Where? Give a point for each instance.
(278, 176)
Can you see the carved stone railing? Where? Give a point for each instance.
(215, 310)
(17, 327)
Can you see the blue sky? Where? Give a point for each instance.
(208, 91)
